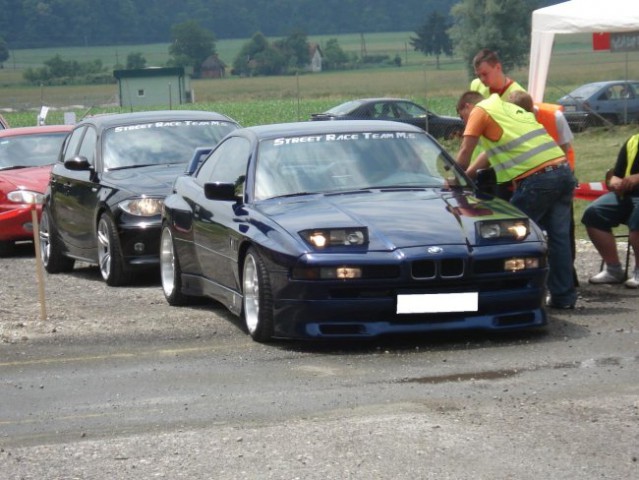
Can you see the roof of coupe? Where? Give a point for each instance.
(311, 128)
(111, 120)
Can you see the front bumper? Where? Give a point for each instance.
(368, 307)
(16, 222)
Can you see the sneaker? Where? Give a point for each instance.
(633, 281)
(608, 275)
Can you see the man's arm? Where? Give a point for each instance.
(465, 153)
(480, 163)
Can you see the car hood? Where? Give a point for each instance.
(35, 179)
(149, 180)
(395, 219)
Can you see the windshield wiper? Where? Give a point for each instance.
(126, 167)
(296, 194)
(16, 167)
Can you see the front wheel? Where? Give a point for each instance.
(110, 257)
(170, 271)
(257, 302)
(51, 247)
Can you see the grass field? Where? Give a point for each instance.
(253, 101)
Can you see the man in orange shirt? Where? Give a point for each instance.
(520, 151)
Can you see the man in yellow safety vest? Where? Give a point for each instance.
(620, 205)
(521, 151)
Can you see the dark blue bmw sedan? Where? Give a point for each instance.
(348, 229)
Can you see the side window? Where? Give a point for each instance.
(87, 148)
(227, 163)
(72, 142)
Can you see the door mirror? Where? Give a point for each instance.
(220, 191)
(77, 163)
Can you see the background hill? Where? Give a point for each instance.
(34, 24)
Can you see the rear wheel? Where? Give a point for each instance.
(257, 302)
(51, 247)
(170, 271)
(110, 258)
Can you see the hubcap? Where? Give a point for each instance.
(104, 249)
(45, 243)
(251, 294)
(167, 263)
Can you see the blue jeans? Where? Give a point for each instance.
(547, 199)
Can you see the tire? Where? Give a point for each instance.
(170, 271)
(53, 259)
(110, 258)
(257, 298)
(6, 248)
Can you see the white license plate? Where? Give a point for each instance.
(570, 108)
(438, 303)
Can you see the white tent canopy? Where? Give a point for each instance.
(573, 17)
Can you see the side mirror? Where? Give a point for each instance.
(486, 181)
(78, 163)
(220, 191)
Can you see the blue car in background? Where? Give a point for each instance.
(599, 103)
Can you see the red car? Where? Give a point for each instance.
(27, 155)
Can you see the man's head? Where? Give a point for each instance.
(466, 103)
(488, 69)
(522, 99)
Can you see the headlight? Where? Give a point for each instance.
(334, 237)
(25, 196)
(142, 207)
(515, 229)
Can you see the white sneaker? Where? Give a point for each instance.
(633, 281)
(608, 275)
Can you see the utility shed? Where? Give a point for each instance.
(150, 87)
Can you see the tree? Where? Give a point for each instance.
(191, 44)
(499, 25)
(4, 52)
(135, 60)
(258, 57)
(295, 49)
(334, 57)
(432, 37)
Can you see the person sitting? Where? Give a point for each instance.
(620, 205)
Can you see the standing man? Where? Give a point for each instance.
(491, 77)
(550, 115)
(620, 205)
(520, 151)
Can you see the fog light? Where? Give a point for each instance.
(139, 247)
(341, 273)
(517, 264)
(514, 264)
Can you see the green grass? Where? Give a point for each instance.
(253, 101)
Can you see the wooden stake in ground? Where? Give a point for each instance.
(39, 266)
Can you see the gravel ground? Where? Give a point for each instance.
(81, 304)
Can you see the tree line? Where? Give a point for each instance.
(57, 23)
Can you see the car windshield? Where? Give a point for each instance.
(344, 108)
(585, 91)
(162, 142)
(352, 161)
(30, 150)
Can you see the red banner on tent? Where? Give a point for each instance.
(601, 41)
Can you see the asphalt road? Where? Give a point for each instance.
(117, 384)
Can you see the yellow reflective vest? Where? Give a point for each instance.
(524, 144)
(632, 146)
(477, 86)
